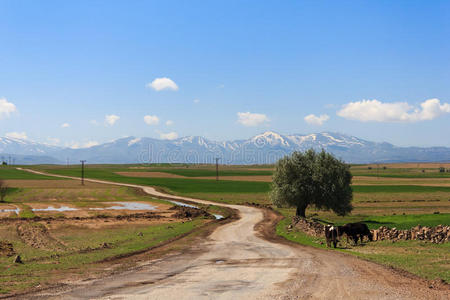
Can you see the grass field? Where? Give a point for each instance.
(427, 260)
(79, 248)
(12, 173)
(400, 197)
(73, 244)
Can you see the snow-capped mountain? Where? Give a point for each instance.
(264, 148)
(24, 147)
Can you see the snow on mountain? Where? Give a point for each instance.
(263, 148)
(24, 147)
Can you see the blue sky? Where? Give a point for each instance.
(226, 69)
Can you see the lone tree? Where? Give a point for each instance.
(311, 178)
(3, 190)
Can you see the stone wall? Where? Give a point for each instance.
(307, 226)
(438, 235)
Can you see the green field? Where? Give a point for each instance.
(82, 248)
(401, 198)
(427, 260)
(12, 173)
(206, 172)
(72, 244)
(176, 185)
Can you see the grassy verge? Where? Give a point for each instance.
(13, 173)
(83, 248)
(424, 259)
(399, 205)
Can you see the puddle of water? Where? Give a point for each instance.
(51, 208)
(182, 204)
(127, 206)
(16, 210)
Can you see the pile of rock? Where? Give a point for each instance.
(438, 235)
(308, 226)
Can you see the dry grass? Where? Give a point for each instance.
(367, 180)
(405, 166)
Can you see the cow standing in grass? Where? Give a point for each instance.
(331, 235)
(356, 231)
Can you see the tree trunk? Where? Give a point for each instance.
(301, 208)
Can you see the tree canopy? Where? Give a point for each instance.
(310, 178)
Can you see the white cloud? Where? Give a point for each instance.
(6, 108)
(377, 111)
(316, 120)
(17, 135)
(163, 83)
(168, 136)
(169, 123)
(151, 120)
(65, 125)
(111, 119)
(196, 101)
(251, 119)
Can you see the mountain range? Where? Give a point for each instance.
(264, 148)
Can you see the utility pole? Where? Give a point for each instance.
(82, 171)
(217, 169)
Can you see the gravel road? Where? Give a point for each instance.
(241, 260)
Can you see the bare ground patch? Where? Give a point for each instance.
(37, 236)
(368, 180)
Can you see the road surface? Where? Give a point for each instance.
(236, 262)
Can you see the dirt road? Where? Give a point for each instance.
(236, 262)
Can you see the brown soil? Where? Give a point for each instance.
(391, 276)
(6, 249)
(281, 270)
(36, 235)
(406, 166)
(183, 212)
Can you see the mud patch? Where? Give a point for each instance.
(184, 212)
(37, 236)
(6, 249)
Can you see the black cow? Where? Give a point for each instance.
(355, 231)
(331, 234)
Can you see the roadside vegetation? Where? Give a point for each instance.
(400, 197)
(52, 230)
